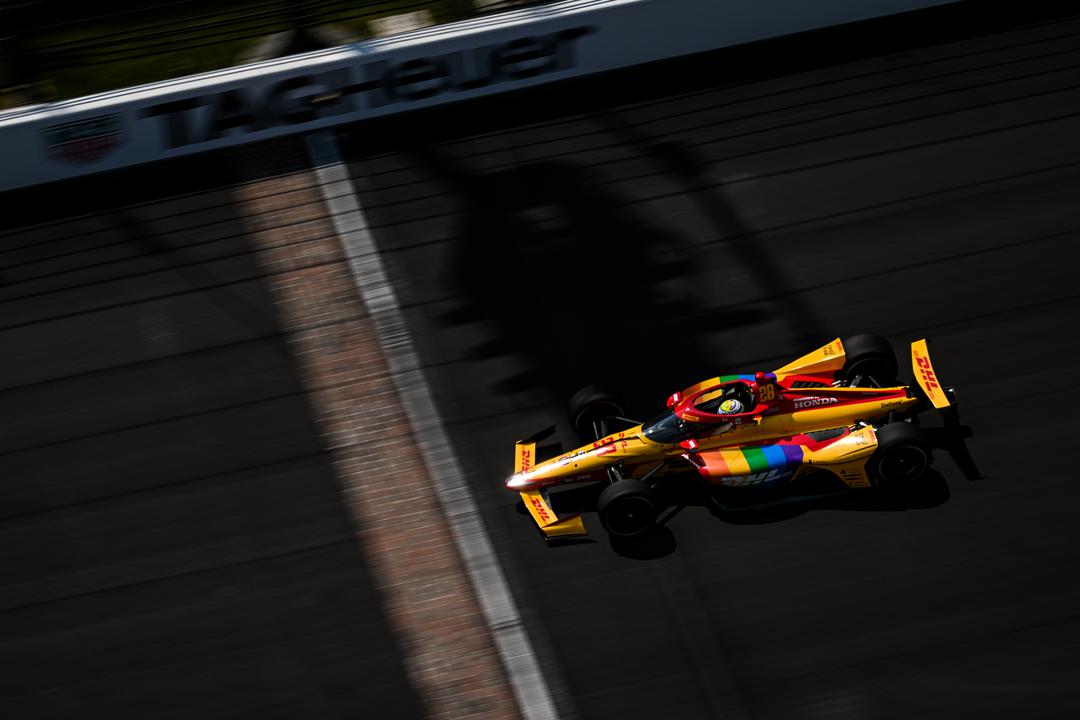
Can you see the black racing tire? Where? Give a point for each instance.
(588, 406)
(902, 457)
(627, 508)
(869, 356)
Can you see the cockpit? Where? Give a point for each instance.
(707, 412)
(717, 400)
(670, 428)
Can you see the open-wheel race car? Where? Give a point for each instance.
(837, 409)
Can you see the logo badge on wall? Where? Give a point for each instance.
(84, 141)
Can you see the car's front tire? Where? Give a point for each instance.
(627, 508)
(903, 456)
(587, 409)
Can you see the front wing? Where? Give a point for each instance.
(538, 504)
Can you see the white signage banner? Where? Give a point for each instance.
(463, 60)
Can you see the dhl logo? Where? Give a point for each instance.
(927, 373)
(609, 441)
(540, 509)
(526, 459)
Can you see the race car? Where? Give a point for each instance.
(837, 409)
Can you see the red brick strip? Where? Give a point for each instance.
(448, 650)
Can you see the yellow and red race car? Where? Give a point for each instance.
(836, 409)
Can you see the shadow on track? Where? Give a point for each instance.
(569, 281)
(754, 507)
(581, 285)
(196, 273)
(682, 164)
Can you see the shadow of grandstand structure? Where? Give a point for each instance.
(194, 272)
(576, 282)
(690, 170)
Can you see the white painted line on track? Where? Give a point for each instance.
(474, 545)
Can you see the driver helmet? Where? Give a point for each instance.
(729, 406)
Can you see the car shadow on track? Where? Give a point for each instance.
(751, 507)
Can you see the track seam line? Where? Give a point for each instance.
(204, 567)
(222, 476)
(123, 366)
(500, 612)
(760, 231)
(4, 452)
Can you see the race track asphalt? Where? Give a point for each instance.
(173, 541)
(726, 213)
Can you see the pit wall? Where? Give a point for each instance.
(510, 51)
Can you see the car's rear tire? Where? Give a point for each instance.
(869, 360)
(587, 409)
(627, 508)
(902, 456)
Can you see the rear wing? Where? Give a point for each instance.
(926, 377)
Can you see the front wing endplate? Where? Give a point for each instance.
(546, 519)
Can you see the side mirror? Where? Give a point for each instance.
(690, 445)
(674, 399)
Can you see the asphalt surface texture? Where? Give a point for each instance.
(173, 540)
(727, 214)
(172, 536)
